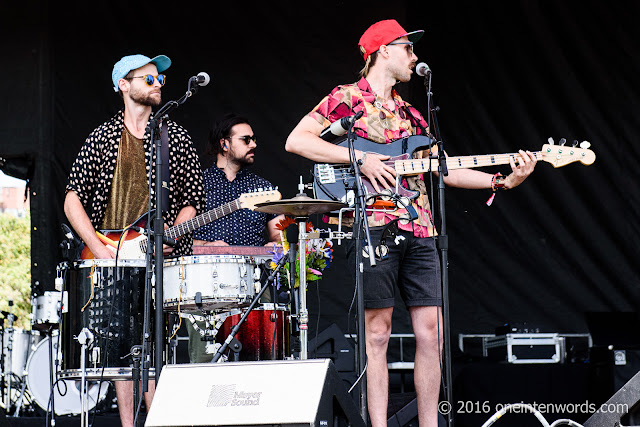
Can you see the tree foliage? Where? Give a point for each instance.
(15, 267)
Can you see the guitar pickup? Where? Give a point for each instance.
(326, 174)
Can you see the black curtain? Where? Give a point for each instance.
(506, 75)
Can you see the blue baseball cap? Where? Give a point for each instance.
(133, 62)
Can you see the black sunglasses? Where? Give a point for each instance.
(247, 138)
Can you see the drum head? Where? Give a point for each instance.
(67, 395)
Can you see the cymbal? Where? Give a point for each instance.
(299, 206)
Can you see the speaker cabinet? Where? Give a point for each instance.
(282, 393)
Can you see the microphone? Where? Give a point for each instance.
(202, 79)
(422, 69)
(339, 127)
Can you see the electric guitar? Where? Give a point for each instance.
(336, 181)
(134, 244)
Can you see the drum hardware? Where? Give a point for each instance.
(301, 206)
(216, 320)
(8, 367)
(229, 341)
(85, 339)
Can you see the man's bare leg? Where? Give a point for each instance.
(377, 332)
(124, 393)
(427, 327)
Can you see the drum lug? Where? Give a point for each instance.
(95, 356)
(243, 270)
(214, 272)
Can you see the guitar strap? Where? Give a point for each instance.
(164, 135)
(414, 121)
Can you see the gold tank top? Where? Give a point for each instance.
(129, 196)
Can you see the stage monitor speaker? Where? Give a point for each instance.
(283, 393)
(622, 409)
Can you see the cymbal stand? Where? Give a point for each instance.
(8, 367)
(85, 338)
(303, 313)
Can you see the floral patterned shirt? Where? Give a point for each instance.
(92, 173)
(382, 125)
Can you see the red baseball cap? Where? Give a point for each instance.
(384, 32)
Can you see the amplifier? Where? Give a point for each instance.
(527, 348)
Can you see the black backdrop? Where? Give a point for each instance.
(507, 75)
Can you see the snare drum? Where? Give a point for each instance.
(46, 311)
(67, 394)
(264, 335)
(114, 313)
(209, 282)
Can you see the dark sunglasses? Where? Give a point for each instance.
(247, 138)
(149, 79)
(408, 48)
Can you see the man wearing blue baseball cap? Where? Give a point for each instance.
(108, 183)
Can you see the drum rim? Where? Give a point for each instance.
(95, 396)
(95, 374)
(85, 263)
(222, 258)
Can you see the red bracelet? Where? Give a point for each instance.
(497, 183)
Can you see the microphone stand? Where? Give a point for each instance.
(443, 244)
(156, 234)
(360, 222)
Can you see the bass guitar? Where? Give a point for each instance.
(336, 181)
(133, 244)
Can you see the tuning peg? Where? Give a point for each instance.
(563, 141)
(551, 141)
(585, 145)
(574, 143)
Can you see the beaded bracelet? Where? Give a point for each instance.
(497, 183)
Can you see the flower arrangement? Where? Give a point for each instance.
(319, 254)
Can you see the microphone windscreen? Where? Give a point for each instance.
(206, 78)
(422, 69)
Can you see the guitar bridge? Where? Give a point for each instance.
(326, 174)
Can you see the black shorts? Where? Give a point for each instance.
(413, 265)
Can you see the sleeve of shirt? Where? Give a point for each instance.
(333, 107)
(84, 173)
(189, 177)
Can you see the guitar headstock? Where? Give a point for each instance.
(561, 155)
(250, 200)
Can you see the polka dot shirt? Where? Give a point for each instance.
(243, 227)
(92, 173)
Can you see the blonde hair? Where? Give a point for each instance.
(368, 63)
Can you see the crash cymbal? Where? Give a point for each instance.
(299, 206)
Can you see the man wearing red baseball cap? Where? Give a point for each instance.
(412, 263)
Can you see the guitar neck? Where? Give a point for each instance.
(203, 219)
(416, 166)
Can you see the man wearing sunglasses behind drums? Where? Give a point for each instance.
(108, 183)
(233, 143)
